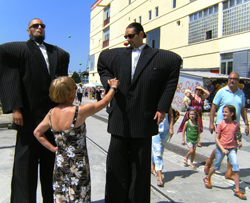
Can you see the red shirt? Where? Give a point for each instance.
(227, 131)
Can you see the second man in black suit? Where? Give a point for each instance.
(148, 79)
(26, 71)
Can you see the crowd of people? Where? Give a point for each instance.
(52, 131)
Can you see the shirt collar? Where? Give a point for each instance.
(40, 45)
(140, 48)
(227, 88)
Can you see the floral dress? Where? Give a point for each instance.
(71, 177)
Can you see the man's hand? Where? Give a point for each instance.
(17, 117)
(211, 128)
(160, 115)
(225, 151)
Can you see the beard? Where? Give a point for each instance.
(38, 38)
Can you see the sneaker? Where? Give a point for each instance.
(207, 183)
(240, 195)
(207, 166)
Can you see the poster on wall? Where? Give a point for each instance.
(185, 82)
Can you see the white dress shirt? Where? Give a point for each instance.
(42, 47)
(136, 52)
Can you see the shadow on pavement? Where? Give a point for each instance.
(206, 144)
(98, 201)
(168, 202)
(169, 176)
(6, 147)
(232, 187)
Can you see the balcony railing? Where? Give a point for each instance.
(105, 43)
(105, 22)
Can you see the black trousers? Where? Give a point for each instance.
(128, 170)
(79, 97)
(25, 169)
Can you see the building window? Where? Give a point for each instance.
(203, 25)
(153, 38)
(209, 34)
(129, 1)
(226, 63)
(106, 38)
(174, 3)
(135, 20)
(140, 19)
(149, 15)
(92, 62)
(106, 16)
(156, 11)
(236, 17)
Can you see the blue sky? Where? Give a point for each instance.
(61, 17)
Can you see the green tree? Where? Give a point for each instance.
(76, 77)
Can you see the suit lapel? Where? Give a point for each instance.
(146, 55)
(125, 57)
(38, 55)
(52, 54)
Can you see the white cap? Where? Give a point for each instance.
(187, 90)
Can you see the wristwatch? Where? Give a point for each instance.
(114, 88)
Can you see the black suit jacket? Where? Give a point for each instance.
(25, 81)
(132, 110)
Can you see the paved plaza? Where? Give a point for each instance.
(181, 184)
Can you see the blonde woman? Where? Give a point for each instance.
(71, 177)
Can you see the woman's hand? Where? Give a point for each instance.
(183, 143)
(113, 83)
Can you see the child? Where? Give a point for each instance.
(187, 99)
(193, 136)
(71, 176)
(159, 141)
(225, 144)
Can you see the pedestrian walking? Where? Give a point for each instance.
(197, 102)
(79, 94)
(166, 131)
(231, 95)
(192, 130)
(225, 145)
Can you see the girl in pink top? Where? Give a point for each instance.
(225, 144)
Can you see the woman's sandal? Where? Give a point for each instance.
(185, 161)
(160, 183)
(154, 173)
(240, 195)
(193, 167)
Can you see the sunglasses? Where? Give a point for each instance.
(130, 36)
(36, 26)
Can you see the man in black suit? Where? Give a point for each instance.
(148, 79)
(26, 71)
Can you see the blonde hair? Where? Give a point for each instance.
(62, 89)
